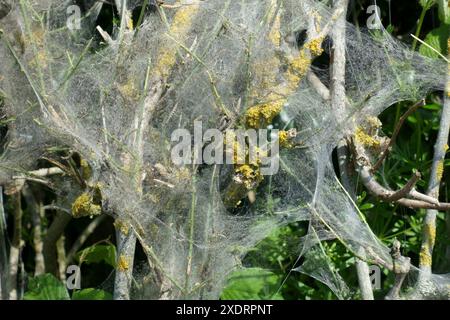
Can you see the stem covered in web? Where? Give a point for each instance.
(338, 101)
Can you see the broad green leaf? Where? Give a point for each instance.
(437, 39)
(432, 106)
(444, 11)
(98, 253)
(91, 294)
(252, 284)
(46, 287)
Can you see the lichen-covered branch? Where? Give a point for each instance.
(154, 87)
(437, 171)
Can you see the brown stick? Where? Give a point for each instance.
(387, 195)
(399, 125)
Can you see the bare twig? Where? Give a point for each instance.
(400, 266)
(61, 257)
(318, 85)
(384, 194)
(35, 209)
(386, 150)
(55, 232)
(83, 237)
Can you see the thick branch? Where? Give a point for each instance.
(437, 171)
(338, 102)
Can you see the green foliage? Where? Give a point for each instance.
(252, 284)
(91, 294)
(98, 253)
(46, 287)
(437, 39)
(444, 11)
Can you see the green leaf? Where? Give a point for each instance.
(437, 39)
(366, 206)
(91, 294)
(432, 107)
(252, 284)
(46, 287)
(98, 253)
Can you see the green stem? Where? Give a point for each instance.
(419, 26)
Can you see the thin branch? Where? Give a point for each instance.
(35, 209)
(318, 85)
(399, 125)
(406, 190)
(61, 257)
(384, 194)
(83, 237)
(55, 232)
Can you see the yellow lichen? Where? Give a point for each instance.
(249, 175)
(275, 35)
(179, 27)
(315, 46)
(128, 90)
(130, 25)
(123, 264)
(300, 65)
(425, 257)
(427, 247)
(261, 115)
(84, 206)
(122, 226)
(440, 170)
(285, 138)
(86, 171)
(366, 140)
